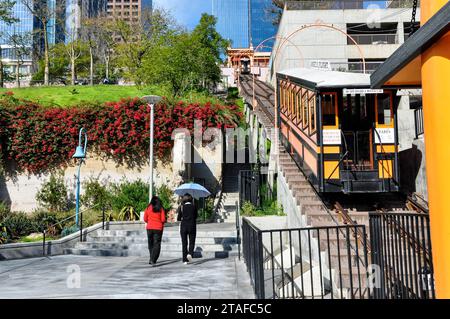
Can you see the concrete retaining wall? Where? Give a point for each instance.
(19, 192)
(56, 247)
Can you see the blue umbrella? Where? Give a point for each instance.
(195, 190)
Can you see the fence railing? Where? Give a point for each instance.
(249, 187)
(418, 122)
(306, 263)
(80, 226)
(401, 250)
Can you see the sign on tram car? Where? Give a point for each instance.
(332, 137)
(386, 135)
(362, 91)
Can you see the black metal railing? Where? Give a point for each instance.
(249, 188)
(418, 121)
(238, 229)
(401, 254)
(306, 263)
(80, 226)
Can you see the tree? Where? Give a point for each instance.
(6, 16)
(60, 65)
(45, 14)
(138, 37)
(21, 43)
(91, 37)
(74, 47)
(185, 61)
(105, 42)
(211, 47)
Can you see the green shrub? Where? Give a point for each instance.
(53, 194)
(269, 209)
(47, 221)
(3, 234)
(18, 225)
(207, 212)
(69, 230)
(128, 213)
(166, 195)
(4, 211)
(129, 195)
(92, 217)
(248, 209)
(95, 195)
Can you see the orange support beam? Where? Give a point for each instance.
(436, 102)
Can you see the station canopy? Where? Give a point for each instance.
(328, 79)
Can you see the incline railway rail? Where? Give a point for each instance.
(323, 210)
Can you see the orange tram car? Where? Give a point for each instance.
(342, 134)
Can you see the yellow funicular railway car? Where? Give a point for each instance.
(342, 134)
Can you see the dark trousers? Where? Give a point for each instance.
(188, 232)
(154, 243)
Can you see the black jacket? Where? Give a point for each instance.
(187, 213)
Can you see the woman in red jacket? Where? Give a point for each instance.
(155, 217)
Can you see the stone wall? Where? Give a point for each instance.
(19, 192)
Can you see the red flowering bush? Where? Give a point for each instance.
(39, 139)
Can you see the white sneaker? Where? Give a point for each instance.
(185, 263)
(189, 257)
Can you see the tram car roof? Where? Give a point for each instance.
(314, 78)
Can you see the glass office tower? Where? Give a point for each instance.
(233, 21)
(245, 22)
(261, 24)
(24, 26)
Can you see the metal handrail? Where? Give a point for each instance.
(68, 218)
(345, 156)
(347, 219)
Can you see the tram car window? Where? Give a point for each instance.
(341, 133)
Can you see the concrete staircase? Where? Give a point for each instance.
(211, 242)
(344, 264)
(230, 196)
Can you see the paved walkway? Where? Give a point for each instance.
(124, 277)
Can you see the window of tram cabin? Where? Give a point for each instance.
(282, 96)
(384, 109)
(329, 110)
(292, 102)
(312, 112)
(305, 108)
(298, 105)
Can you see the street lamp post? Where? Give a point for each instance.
(80, 153)
(151, 100)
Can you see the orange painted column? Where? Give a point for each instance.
(436, 109)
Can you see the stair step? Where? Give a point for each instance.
(142, 253)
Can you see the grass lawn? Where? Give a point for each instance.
(77, 95)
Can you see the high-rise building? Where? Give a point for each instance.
(233, 21)
(128, 10)
(262, 25)
(245, 23)
(76, 11)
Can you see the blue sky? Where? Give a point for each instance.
(379, 3)
(187, 12)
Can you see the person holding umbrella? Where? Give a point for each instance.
(187, 215)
